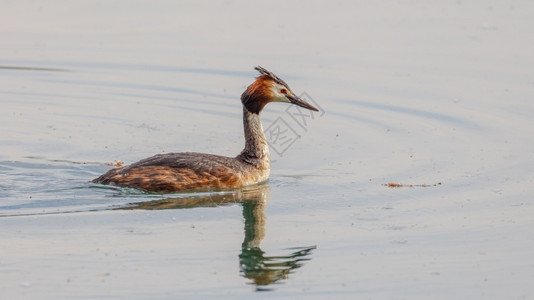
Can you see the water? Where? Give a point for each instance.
(435, 96)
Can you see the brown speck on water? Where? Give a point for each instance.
(115, 163)
(399, 185)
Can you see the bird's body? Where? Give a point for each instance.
(189, 171)
(185, 171)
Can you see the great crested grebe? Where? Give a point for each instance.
(173, 172)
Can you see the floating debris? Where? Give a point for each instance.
(115, 163)
(398, 185)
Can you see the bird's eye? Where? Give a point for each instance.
(283, 91)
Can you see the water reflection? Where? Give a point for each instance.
(263, 270)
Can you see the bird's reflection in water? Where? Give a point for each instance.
(254, 264)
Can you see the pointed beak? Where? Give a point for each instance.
(297, 101)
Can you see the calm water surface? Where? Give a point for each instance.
(437, 98)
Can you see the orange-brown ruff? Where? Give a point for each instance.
(174, 172)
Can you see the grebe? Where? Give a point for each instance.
(173, 172)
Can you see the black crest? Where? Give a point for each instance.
(271, 75)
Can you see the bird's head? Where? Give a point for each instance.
(269, 88)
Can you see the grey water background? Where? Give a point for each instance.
(436, 94)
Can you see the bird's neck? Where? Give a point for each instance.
(256, 150)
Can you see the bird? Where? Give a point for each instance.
(190, 171)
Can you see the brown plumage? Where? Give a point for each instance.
(174, 172)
